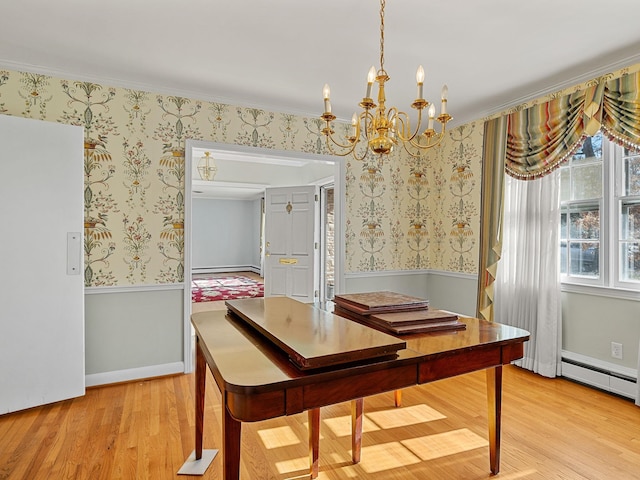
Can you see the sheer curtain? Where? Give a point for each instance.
(527, 287)
(537, 139)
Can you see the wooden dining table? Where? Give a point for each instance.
(258, 379)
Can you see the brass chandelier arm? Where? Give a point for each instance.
(365, 117)
(428, 145)
(348, 149)
(405, 133)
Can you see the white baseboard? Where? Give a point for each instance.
(130, 374)
(597, 373)
(227, 269)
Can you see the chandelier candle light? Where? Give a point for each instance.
(381, 128)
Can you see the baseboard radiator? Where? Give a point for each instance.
(608, 377)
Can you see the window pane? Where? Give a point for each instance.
(584, 259)
(631, 182)
(586, 181)
(591, 149)
(585, 224)
(563, 226)
(630, 261)
(630, 221)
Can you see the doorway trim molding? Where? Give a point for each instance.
(339, 187)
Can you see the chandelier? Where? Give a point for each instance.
(207, 167)
(383, 128)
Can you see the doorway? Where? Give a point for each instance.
(327, 242)
(265, 160)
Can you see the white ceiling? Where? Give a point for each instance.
(278, 54)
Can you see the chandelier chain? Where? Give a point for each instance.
(382, 5)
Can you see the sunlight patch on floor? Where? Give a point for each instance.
(299, 467)
(347, 470)
(278, 437)
(300, 464)
(341, 426)
(403, 416)
(386, 456)
(518, 475)
(444, 444)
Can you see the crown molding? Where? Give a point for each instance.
(558, 87)
(145, 87)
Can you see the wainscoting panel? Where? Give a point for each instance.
(133, 331)
(444, 290)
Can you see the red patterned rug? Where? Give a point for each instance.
(210, 289)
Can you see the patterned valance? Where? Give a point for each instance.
(541, 137)
(621, 110)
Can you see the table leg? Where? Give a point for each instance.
(357, 408)
(494, 397)
(231, 430)
(397, 396)
(201, 376)
(314, 440)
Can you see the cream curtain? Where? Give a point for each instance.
(527, 292)
(493, 155)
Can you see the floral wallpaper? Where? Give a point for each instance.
(417, 213)
(402, 214)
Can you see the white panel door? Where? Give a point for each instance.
(41, 286)
(291, 242)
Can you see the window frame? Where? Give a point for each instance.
(570, 205)
(610, 205)
(618, 200)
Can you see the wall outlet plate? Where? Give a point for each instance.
(616, 350)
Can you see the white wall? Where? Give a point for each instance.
(444, 290)
(225, 233)
(406, 282)
(456, 292)
(590, 322)
(149, 330)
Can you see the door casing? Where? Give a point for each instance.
(339, 175)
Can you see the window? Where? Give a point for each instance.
(581, 200)
(629, 202)
(600, 216)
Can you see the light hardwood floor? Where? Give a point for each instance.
(552, 429)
